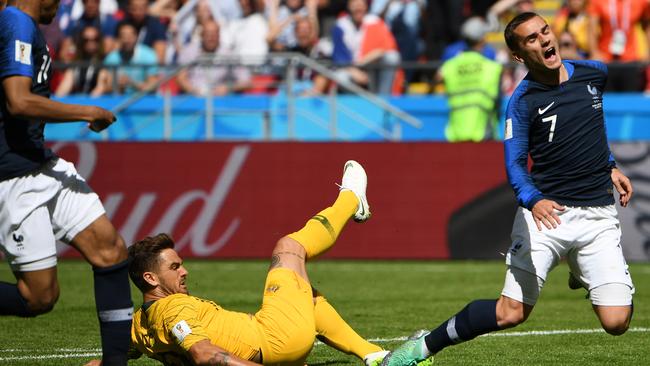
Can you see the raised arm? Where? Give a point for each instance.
(205, 353)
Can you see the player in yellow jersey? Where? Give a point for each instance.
(179, 329)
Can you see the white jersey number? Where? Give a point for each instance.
(45, 67)
(551, 119)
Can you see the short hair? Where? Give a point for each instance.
(144, 256)
(509, 33)
(125, 23)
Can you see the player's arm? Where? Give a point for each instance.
(205, 353)
(516, 159)
(22, 103)
(621, 182)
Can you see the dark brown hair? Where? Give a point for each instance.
(509, 33)
(144, 256)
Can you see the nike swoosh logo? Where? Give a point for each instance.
(542, 111)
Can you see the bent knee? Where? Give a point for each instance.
(289, 245)
(511, 313)
(616, 329)
(616, 325)
(511, 319)
(41, 303)
(111, 250)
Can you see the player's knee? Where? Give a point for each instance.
(617, 327)
(111, 250)
(287, 244)
(511, 319)
(616, 324)
(42, 302)
(511, 313)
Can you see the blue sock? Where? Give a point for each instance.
(115, 311)
(13, 303)
(478, 317)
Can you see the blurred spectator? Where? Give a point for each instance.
(403, 17)
(164, 10)
(227, 10)
(472, 25)
(282, 20)
(328, 12)
(185, 28)
(84, 78)
(205, 77)
(150, 31)
(246, 37)
(91, 16)
(132, 58)
(618, 32)
(442, 21)
(569, 47)
(472, 83)
(572, 18)
(307, 43)
(361, 39)
(502, 11)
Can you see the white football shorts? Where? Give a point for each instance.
(52, 203)
(589, 238)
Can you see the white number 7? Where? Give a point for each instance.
(552, 119)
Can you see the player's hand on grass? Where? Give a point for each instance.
(94, 363)
(544, 212)
(623, 186)
(100, 118)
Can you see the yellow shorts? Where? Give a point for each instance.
(286, 319)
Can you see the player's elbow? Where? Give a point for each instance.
(205, 353)
(17, 106)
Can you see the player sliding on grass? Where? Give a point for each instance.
(177, 328)
(567, 204)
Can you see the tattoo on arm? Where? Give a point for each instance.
(220, 359)
(275, 259)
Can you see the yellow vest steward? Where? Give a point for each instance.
(472, 84)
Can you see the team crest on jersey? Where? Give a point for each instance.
(508, 132)
(23, 52)
(595, 96)
(181, 330)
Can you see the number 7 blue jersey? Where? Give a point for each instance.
(23, 52)
(562, 127)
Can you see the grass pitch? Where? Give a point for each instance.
(382, 300)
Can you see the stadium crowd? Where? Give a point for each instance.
(373, 43)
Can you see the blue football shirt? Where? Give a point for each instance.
(562, 127)
(23, 52)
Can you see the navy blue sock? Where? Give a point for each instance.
(13, 303)
(115, 311)
(478, 317)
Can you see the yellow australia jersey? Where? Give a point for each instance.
(166, 329)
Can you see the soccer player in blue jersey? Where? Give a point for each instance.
(42, 197)
(566, 201)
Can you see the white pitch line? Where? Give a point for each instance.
(527, 333)
(94, 353)
(44, 357)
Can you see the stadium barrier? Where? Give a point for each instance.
(265, 118)
(234, 200)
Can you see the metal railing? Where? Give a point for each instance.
(285, 64)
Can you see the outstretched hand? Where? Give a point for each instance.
(100, 119)
(94, 363)
(623, 186)
(544, 212)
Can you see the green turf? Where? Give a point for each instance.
(382, 300)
